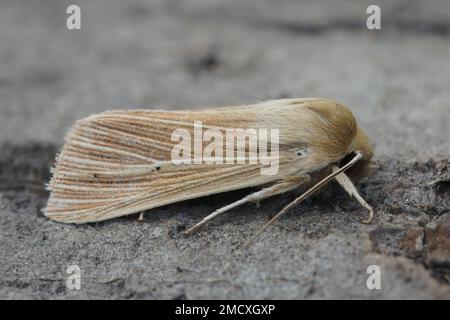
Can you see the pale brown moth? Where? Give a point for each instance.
(119, 162)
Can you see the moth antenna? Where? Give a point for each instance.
(193, 229)
(306, 194)
(257, 196)
(345, 182)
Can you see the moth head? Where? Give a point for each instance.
(328, 134)
(336, 137)
(361, 143)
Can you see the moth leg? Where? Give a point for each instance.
(306, 194)
(345, 182)
(281, 187)
(141, 216)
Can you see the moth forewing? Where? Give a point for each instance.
(127, 161)
(117, 163)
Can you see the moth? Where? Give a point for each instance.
(122, 162)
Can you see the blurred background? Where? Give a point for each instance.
(182, 54)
